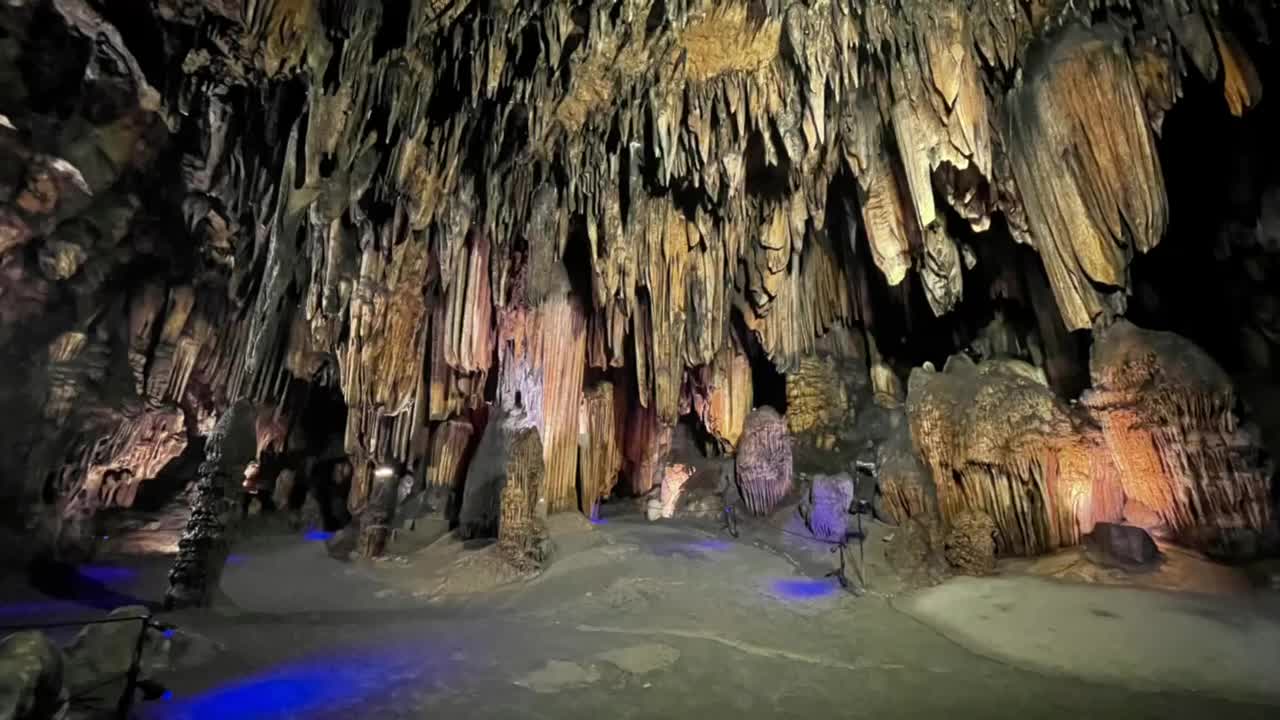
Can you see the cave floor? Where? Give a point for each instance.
(638, 620)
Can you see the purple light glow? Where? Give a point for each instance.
(317, 535)
(804, 589)
(37, 609)
(325, 685)
(106, 573)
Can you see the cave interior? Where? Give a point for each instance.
(451, 286)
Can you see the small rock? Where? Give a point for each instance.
(1124, 545)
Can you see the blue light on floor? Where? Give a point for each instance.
(317, 535)
(712, 545)
(315, 686)
(804, 589)
(598, 521)
(235, 559)
(106, 573)
(37, 610)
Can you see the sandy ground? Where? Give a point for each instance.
(639, 620)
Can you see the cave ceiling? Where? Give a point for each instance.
(202, 201)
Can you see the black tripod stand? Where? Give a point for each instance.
(858, 508)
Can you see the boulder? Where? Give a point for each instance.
(31, 678)
(913, 551)
(342, 543)
(970, 546)
(1123, 545)
(825, 508)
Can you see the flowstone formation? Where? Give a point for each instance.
(1156, 435)
(415, 219)
(1168, 412)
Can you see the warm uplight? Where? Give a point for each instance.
(384, 472)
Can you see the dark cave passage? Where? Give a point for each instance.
(1212, 277)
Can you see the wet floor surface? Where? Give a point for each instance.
(643, 621)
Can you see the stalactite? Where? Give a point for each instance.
(393, 213)
(544, 356)
(723, 393)
(648, 440)
(447, 463)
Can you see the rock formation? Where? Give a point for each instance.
(522, 532)
(1167, 411)
(203, 548)
(764, 461)
(826, 509)
(603, 216)
(970, 545)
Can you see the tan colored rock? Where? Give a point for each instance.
(970, 545)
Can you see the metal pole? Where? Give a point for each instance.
(135, 667)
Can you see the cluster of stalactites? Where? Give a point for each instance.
(393, 188)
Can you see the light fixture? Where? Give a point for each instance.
(384, 471)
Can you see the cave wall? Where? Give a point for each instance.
(432, 206)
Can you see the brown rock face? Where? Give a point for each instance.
(1167, 412)
(997, 440)
(764, 461)
(822, 395)
(970, 545)
(1156, 436)
(521, 532)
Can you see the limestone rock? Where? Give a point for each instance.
(522, 532)
(1123, 545)
(826, 508)
(764, 461)
(1167, 411)
(674, 478)
(970, 545)
(31, 677)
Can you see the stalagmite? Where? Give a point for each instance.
(763, 461)
(520, 526)
(447, 463)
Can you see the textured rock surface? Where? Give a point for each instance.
(1168, 413)
(764, 461)
(970, 545)
(31, 677)
(1124, 545)
(522, 531)
(423, 207)
(997, 440)
(826, 508)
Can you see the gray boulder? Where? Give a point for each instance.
(31, 687)
(1123, 545)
